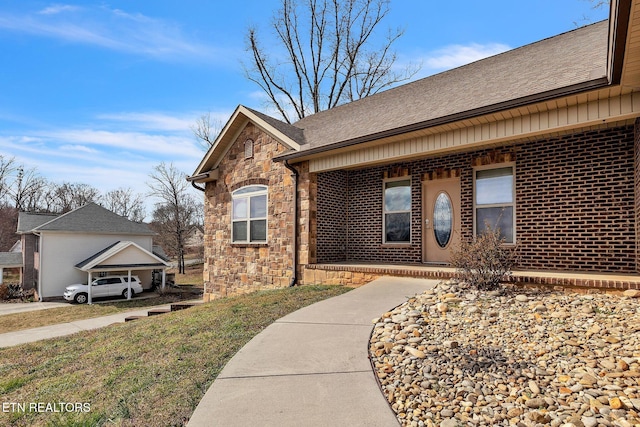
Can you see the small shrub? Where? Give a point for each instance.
(9, 291)
(483, 262)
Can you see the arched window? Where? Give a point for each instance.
(249, 214)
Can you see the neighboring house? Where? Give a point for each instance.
(542, 141)
(59, 250)
(194, 238)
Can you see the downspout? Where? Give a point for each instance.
(196, 186)
(294, 256)
(40, 244)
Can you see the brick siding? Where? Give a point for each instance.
(637, 189)
(332, 216)
(574, 204)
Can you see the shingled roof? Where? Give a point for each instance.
(90, 218)
(569, 61)
(27, 221)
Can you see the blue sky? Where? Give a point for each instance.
(99, 92)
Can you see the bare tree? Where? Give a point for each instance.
(177, 208)
(8, 226)
(28, 190)
(125, 203)
(69, 196)
(7, 167)
(206, 130)
(595, 5)
(329, 55)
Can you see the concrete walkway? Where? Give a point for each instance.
(311, 367)
(21, 307)
(61, 329)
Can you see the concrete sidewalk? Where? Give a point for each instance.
(61, 329)
(311, 367)
(21, 307)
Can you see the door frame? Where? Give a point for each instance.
(455, 232)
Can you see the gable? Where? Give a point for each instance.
(285, 134)
(123, 254)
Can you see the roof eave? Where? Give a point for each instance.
(465, 115)
(619, 15)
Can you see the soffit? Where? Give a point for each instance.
(585, 111)
(631, 66)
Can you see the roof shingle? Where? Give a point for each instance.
(90, 218)
(570, 59)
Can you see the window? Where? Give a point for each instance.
(494, 201)
(397, 211)
(249, 214)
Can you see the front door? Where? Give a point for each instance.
(441, 219)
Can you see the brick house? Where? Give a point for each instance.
(542, 141)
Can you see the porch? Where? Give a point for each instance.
(358, 274)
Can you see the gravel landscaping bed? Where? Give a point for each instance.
(454, 356)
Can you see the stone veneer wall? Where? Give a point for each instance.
(232, 268)
(575, 203)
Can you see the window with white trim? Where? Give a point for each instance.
(494, 201)
(249, 214)
(396, 209)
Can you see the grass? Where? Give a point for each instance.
(192, 276)
(51, 316)
(151, 372)
(187, 283)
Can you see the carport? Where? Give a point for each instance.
(122, 256)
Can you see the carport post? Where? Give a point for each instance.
(89, 292)
(129, 286)
(1, 275)
(164, 274)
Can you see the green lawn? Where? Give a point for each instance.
(152, 372)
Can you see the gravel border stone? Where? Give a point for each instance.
(454, 356)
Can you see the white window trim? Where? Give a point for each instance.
(512, 165)
(248, 196)
(385, 212)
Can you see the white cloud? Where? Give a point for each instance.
(152, 121)
(137, 142)
(58, 8)
(456, 55)
(77, 148)
(110, 29)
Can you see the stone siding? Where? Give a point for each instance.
(234, 268)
